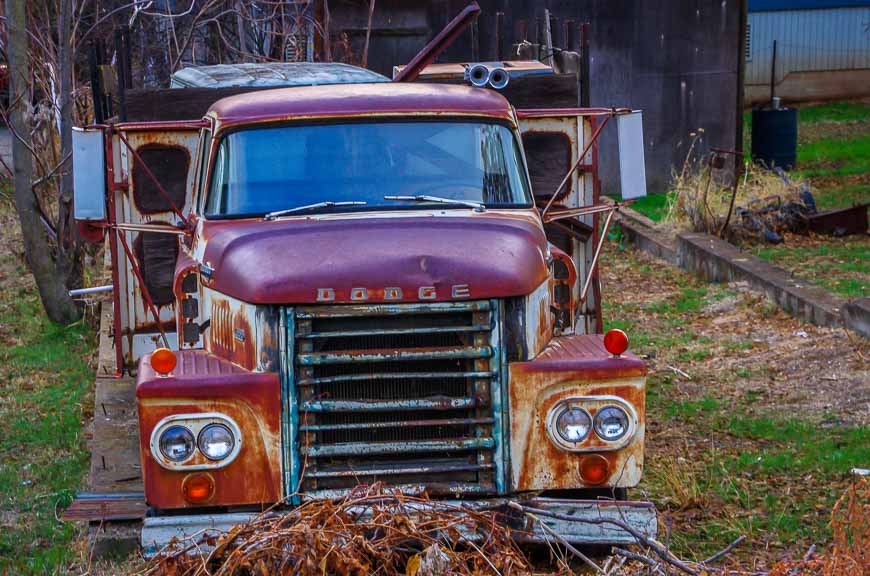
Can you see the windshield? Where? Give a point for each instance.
(276, 169)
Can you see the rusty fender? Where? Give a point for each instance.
(205, 384)
(571, 367)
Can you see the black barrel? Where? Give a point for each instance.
(774, 137)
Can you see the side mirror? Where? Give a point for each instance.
(89, 174)
(632, 170)
(89, 182)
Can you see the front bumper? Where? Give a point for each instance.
(165, 533)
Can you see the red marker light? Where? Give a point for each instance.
(163, 361)
(615, 342)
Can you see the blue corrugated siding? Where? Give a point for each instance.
(767, 5)
(807, 41)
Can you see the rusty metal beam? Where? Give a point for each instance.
(438, 44)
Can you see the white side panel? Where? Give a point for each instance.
(632, 170)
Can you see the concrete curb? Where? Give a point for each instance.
(715, 260)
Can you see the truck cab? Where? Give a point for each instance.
(328, 286)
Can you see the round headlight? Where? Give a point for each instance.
(611, 423)
(573, 424)
(177, 443)
(216, 441)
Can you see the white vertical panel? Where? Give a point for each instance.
(808, 40)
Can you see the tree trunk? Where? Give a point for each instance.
(69, 258)
(55, 298)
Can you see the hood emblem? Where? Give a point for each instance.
(391, 294)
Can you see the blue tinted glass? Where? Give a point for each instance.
(270, 169)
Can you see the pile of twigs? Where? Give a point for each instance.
(369, 531)
(376, 531)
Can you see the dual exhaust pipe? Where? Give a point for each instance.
(492, 75)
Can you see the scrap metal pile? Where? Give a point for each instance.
(761, 207)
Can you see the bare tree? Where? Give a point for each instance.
(38, 251)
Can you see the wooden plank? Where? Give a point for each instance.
(177, 103)
(115, 465)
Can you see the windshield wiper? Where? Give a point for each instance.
(478, 207)
(326, 204)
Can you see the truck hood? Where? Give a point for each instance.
(435, 258)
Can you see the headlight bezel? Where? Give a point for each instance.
(195, 423)
(591, 405)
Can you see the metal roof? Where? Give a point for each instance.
(776, 5)
(273, 74)
(395, 98)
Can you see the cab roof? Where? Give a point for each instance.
(350, 100)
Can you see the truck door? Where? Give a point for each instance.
(552, 141)
(143, 155)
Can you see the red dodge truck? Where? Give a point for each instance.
(355, 282)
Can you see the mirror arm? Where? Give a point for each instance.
(592, 140)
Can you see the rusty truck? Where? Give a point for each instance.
(352, 280)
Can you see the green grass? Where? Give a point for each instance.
(834, 112)
(653, 206)
(843, 196)
(45, 382)
(733, 465)
(842, 267)
(835, 157)
(799, 446)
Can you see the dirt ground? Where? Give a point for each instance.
(754, 418)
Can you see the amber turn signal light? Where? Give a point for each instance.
(163, 361)
(594, 469)
(198, 488)
(616, 342)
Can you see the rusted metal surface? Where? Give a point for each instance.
(571, 366)
(204, 530)
(437, 45)
(840, 222)
(93, 507)
(203, 383)
(311, 260)
(359, 100)
(415, 408)
(242, 333)
(135, 319)
(540, 320)
(577, 187)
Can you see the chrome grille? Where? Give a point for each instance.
(404, 394)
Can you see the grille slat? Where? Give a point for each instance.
(399, 424)
(391, 376)
(442, 403)
(396, 391)
(388, 355)
(411, 447)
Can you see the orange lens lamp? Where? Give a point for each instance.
(616, 342)
(163, 361)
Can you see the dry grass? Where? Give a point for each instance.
(850, 551)
(701, 199)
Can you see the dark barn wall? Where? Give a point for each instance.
(677, 60)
